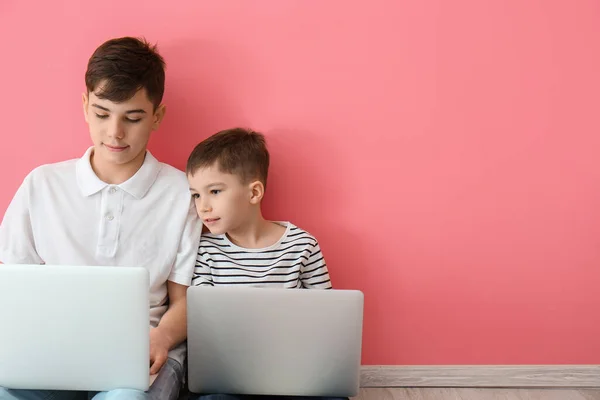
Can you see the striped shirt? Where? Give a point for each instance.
(295, 261)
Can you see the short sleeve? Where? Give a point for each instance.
(314, 273)
(202, 272)
(17, 244)
(183, 268)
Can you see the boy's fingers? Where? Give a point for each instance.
(157, 364)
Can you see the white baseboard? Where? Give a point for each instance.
(574, 376)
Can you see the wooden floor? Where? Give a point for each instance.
(477, 394)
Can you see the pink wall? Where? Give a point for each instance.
(444, 152)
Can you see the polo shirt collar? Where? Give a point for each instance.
(137, 186)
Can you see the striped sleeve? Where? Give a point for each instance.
(202, 272)
(314, 273)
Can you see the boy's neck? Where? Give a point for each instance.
(257, 233)
(115, 174)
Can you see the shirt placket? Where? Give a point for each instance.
(110, 222)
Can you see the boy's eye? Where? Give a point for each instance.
(195, 196)
(131, 120)
(215, 191)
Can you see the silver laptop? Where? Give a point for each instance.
(74, 327)
(274, 341)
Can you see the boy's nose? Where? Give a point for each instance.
(116, 131)
(205, 207)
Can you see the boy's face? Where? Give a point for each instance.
(223, 202)
(120, 131)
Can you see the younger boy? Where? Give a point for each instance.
(228, 174)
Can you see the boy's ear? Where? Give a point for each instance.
(257, 192)
(86, 101)
(158, 116)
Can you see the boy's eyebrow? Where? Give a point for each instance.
(209, 185)
(100, 107)
(136, 111)
(215, 184)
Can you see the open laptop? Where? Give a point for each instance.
(288, 342)
(74, 327)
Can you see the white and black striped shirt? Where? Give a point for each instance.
(295, 261)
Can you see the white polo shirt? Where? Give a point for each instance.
(64, 214)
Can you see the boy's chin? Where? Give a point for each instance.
(216, 231)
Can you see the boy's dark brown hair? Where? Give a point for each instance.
(238, 151)
(123, 66)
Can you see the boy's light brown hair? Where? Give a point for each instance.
(120, 67)
(237, 151)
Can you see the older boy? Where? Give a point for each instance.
(117, 205)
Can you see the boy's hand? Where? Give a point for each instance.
(159, 350)
(172, 328)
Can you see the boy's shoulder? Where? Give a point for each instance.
(296, 232)
(293, 236)
(169, 173)
(52, 171)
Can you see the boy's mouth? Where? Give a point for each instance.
(115, 148)
(211, 220)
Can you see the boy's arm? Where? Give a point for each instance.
(314, 273)
(17, 244)
(202, 273)
(172, 328)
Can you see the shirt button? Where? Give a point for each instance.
(110, 217)
(112, 190)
